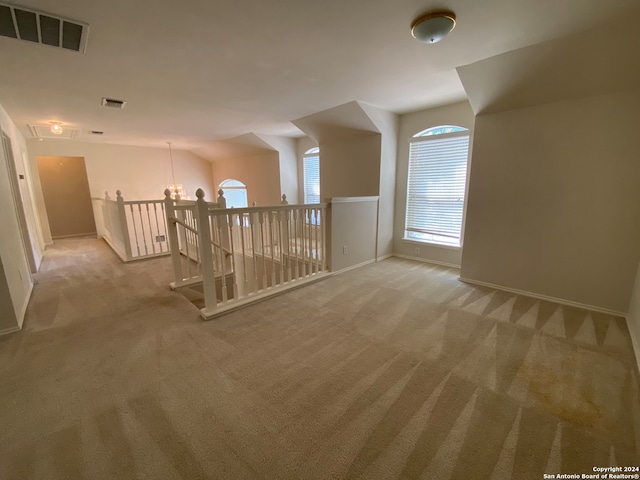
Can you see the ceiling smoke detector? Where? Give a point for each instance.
(113, 103)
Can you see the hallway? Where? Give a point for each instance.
(420, 376)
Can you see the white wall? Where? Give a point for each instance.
(260, 173)
(554, 200)
(633, 317)
(353, 224)
(350, 167)
(16, 284)
(139, 172)
(456, 114)
(288, 159)
(388, 124)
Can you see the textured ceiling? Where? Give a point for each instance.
(199, 71)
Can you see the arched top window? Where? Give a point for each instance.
(231, 183)
(235, 192)
(440, 130)
(312, 151)
(436, 185)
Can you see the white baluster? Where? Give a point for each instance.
(153, 246)
(264, 253)
(252, 224)
(172, 233)
(204, 231)
(231, 224)
(273, 263)
(219, 225)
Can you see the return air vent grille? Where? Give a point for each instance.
(43, 28)
(113, 103)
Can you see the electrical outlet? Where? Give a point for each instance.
(416, 250)
(160, 238)
(345, 250)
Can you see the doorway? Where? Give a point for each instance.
(67, 198)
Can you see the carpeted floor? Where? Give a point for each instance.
(393, 370)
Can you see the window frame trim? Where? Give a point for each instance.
(426, 138)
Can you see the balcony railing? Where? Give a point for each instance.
(241, 255)
(134, 229)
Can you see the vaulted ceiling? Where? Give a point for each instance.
(199, 71)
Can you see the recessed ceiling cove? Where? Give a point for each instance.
(43, 28)
(44, 131)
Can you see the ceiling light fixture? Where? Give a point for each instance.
(177, 192)
(56, 128)
(433, 27)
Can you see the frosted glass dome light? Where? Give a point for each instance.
(433, 27)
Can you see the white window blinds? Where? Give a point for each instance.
(311, 173)
(436, 188)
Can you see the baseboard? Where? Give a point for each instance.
(548, 298)
(384, 257)
(7, 331)
(23, 309)
(426, 260)
(75, 235)
(358, 265)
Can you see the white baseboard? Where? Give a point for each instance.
(384, 257)
(9, 330)
(23, 309)
(426, 260)
(358, 265)
(548, 298)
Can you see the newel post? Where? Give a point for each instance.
(124, 226)
(172, 231)
(206, 252)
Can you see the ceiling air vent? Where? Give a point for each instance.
(43, 28)
(96, 132)
(113, 103)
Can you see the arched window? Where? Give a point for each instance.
(311, 175)
(436, 185)
(235, 192)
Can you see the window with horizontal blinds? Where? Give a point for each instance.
(311, 174)
(436, 188)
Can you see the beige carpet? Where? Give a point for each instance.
(393, 370)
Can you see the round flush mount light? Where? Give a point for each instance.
(433, 27)
(56, 128)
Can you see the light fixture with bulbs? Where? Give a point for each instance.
(177, 192)
(433, 27)
(56, 128)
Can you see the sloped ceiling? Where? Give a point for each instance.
(344, 121)
(597, 61)
(241, 146)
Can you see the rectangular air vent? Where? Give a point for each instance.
(96, 132)
(43, 28)
(113, 103)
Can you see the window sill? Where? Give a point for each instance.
(431, 244)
